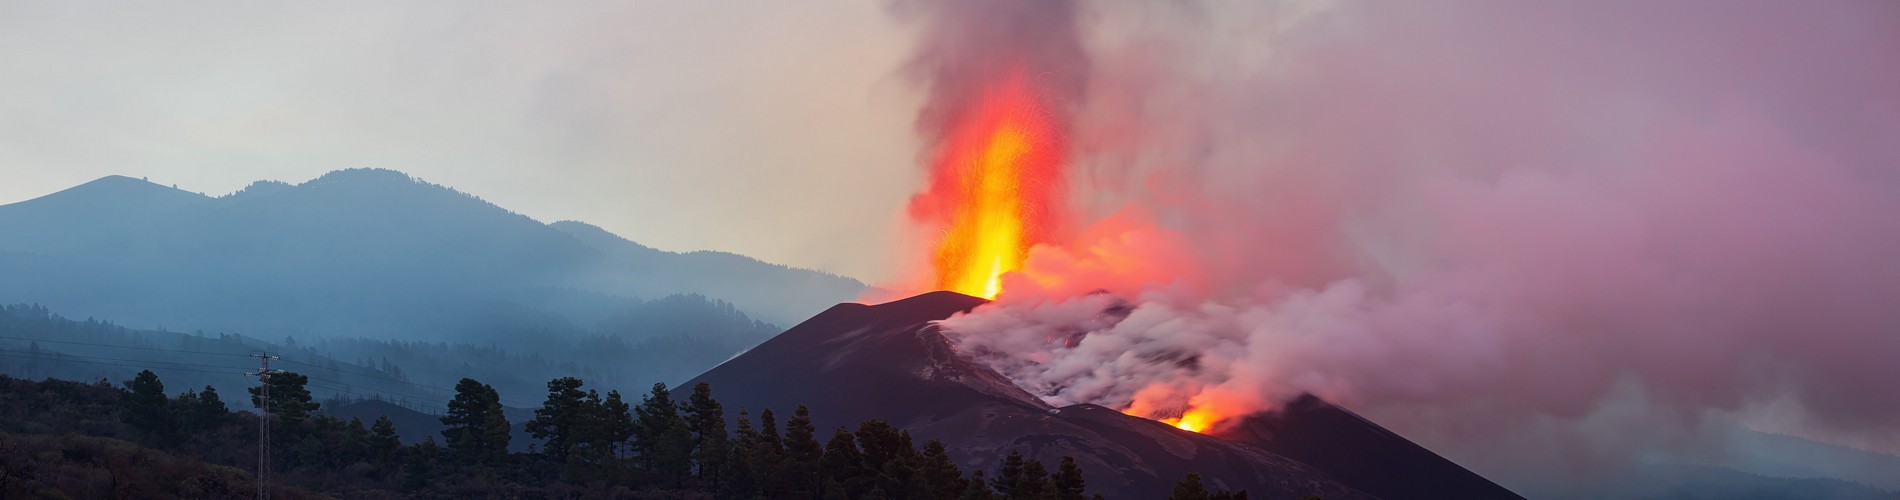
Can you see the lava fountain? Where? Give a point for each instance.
(1004, 82)
(995, 187)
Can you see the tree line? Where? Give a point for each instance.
(685, 445)
(588, 444)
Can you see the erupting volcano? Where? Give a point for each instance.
(1005, 81)
(994, 187)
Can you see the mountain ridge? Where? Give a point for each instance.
(346, 241)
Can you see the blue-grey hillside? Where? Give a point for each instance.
(358, 253)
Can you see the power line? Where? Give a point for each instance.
(346, 387)
(445, 390)
(63, 359)
(180, 366)
(123, 346)
(339, 386)
(351, 389)
(61, 354)
(369, 376)
(312, 365)
(140, 363)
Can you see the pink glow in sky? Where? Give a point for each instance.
(1588, 229)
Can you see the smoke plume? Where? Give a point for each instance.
(1585, 226)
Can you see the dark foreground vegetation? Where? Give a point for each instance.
(60, 438)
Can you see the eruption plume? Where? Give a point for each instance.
(995, 182)
(1002, 78)
(1582, 229)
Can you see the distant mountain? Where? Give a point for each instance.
(361, 252)
(856, 362)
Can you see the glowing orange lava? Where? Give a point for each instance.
(994, 186)
(1195, 420)
(1198, 419)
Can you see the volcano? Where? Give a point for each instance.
(856, 362)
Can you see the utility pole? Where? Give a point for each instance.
(263, 420)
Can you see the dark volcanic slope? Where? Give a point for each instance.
(1361, 454)
(856, 362)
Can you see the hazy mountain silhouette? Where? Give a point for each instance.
(855, 362)
(361, 252)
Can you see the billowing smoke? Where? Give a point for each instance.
(1595, 224)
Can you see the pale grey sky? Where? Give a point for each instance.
(780, 130)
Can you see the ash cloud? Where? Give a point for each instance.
(967, 45)
(1588, 229)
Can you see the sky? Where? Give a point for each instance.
(784, 128)
(1580, 227)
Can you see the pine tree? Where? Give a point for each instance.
(900, 476)
(880, 441)
(652, 419)
(835, 490)
(477, 430)
(841, 464)
(1190, 488)
(208, 410)
(906, 447)
(976, 489)
(587, 445)
(802, 452)
(673, 455)
(1031, 485)
(1047, 491)
(559, 417)
(738, 480)
(619, 423)
(768, 454)
(356, 442)
(290, 402)
(418, 468)
(944, 478)
(383, 440)
(496, 433)
(182, 403)
(1068, 481)
(145, 406)
(707, 420)
(1009, 476)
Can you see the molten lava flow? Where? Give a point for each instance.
(994, 187)
(1195, 420)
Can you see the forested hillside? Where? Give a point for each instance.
(670, 340)
(136, 439)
